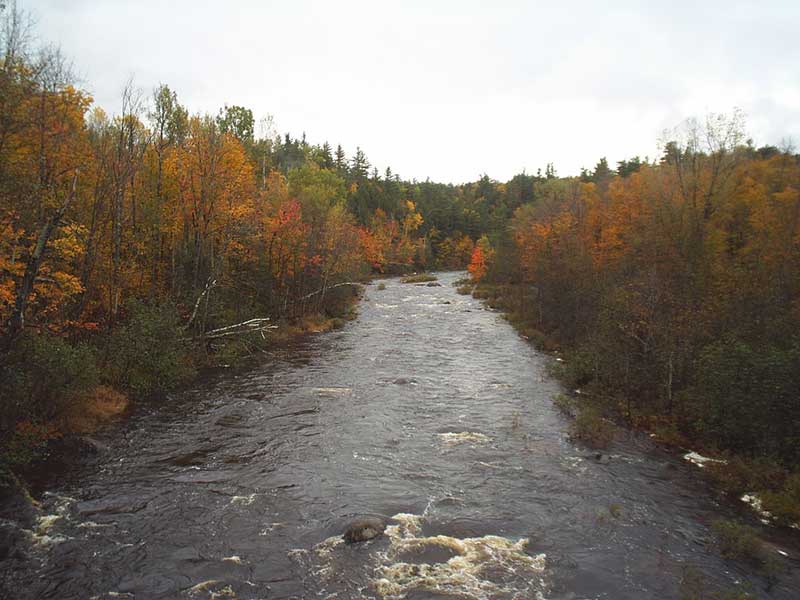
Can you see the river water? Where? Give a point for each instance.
(428, 411)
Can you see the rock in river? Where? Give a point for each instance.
(364, 529)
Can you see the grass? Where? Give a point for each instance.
(418, 278)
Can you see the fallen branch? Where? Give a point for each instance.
(257, 325)
(330, 287)
(210, 284)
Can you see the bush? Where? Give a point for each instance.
(565, 404)
(694, 586)
(738, 475)
(146, 356)
(738, 542)
(27, 443)
(784, 504)
(592, 428)
(40, 375)
(745, 397)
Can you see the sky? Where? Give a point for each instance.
(450, 90)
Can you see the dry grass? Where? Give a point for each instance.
(90, 411)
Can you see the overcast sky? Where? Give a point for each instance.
(450, 90)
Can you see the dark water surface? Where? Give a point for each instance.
(428, 409)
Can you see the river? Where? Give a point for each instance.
(428, 411)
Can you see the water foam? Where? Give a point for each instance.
(479, 568)
(453, 438)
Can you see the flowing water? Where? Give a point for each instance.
(428, 411)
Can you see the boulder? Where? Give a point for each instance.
(364, 529)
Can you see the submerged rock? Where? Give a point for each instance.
(434, 284)
(364, 529)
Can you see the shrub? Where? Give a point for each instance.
(565, 404)
(40, 374)
(146, 356)
(694, 586)
(744, 397)
(738, 475)
(785, 503)
(592, 428)
(738, 542)
(27, 443)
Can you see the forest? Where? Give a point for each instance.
(134, 245)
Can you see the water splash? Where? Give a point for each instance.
(491, 566)
(452, 438)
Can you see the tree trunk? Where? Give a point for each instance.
(16, 322)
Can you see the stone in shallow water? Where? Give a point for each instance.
(364, 529)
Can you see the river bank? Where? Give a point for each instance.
(37, 452)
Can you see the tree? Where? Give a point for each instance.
(238, 122)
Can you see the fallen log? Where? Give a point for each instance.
(328, 288)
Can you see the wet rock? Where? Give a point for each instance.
(364, 529)
(11, 541)
(110, 506)
(434, 284)
(603, 459)
(188, 553)
(16, 503)
(404, 381)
